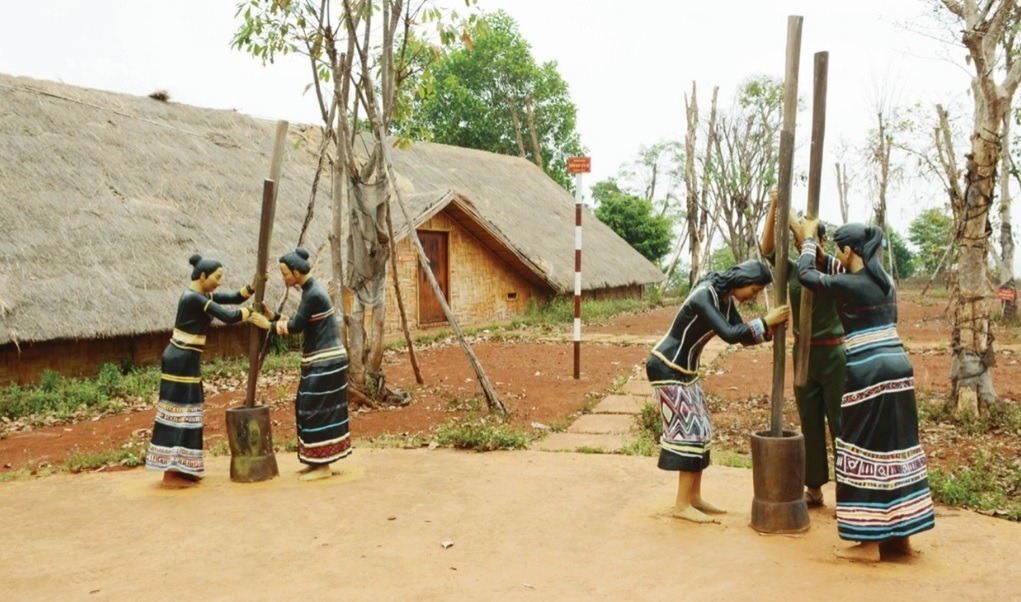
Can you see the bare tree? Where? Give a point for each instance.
(985, 26)
(843, 184)
(746, 153)
(696, 233)
(360, 56)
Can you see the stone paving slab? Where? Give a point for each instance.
(622, 404)
(638, 386)
(571, 442)
(603, 424)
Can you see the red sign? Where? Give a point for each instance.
(1006, 294)
(579, 164)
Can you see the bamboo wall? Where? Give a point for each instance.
(86, 357)
(482, 288)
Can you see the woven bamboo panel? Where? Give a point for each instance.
(483, 288)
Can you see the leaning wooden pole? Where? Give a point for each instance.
(790, 110)
(258, 344)
(400, 299)
(255, 341)
(491, 399)
(812, 211)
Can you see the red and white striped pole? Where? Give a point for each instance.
(577, 166)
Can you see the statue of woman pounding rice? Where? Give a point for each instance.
(882, 483)
(176, 446)
(321, 415)
(710, 310)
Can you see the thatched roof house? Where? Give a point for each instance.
(106, 195)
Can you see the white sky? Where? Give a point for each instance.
(628, 65)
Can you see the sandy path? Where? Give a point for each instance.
(524, 525)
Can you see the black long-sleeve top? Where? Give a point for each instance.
(195, 311)
(314, 317)
(704, 313)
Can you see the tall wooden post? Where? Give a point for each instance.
(781, 235)
(249, 429)
(778, 456)
(265, 231)
(812, 211)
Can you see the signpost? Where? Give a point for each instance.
(577, 166)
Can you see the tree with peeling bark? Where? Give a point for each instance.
(983, 26)
(361, 54)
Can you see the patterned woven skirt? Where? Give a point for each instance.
(177, 434)
(882, 481)
(321, 409)
(687, 430)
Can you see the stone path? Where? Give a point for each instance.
(613, 422)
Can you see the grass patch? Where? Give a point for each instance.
(646, 434)
(588, 449)
(482, 435)
(989, 485)
(395, 441)
(220, 448)
(640, 446)
(130, 454)
(727, 457)
(559, 311)
(934, 410)
(65, 398)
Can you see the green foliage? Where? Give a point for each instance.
(130, 454)
(560, 310)
(647, 431)
(63, 397)
(479, 96)
(482, 435)
(903, 258)
(721, 259)
(989, 483)
(396, 441)
(634, 219)
(731, 458)
(931, 233)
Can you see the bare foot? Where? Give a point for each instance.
(866, 551)
(706, 507)
(314, 473)
(692, 514)
(896, 546)
(178, 480)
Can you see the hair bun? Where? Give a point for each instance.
(195, 259)
(301, 252)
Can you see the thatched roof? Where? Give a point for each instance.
(105, 196)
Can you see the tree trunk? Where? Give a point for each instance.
(530, 115)
(708, 224)
(517, 126)
(985, 28)
(1006, 228)
(694, 234)
(972, 341)
(842, 186)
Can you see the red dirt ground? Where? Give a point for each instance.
(533, 379)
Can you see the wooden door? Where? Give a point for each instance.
(435, 246)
